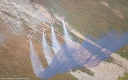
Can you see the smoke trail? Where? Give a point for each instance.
(66, 34)
(46, 49)
(36, 63)
(55, 43)
(89, 54)
(107, 47)
(122, 41)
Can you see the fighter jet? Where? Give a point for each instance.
(29, 36)
(42, 29)
(51, 22)
(62, 17)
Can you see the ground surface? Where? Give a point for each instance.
(85, 17)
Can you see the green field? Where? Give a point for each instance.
(125, 77)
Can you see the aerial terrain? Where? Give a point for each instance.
(96, 18)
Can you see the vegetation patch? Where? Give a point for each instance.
(125, 77)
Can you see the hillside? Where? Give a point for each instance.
(90, 17)
(19, 18)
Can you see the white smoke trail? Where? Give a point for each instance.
(67, 36)
(55, 43)
(36, 63)
(47, 50)
(65, 31)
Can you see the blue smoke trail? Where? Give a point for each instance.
(108, 45)
(55, 43)
(46, 49)
(119, 43)
(89, 54)
(36, 63)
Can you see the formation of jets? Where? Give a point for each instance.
(42, 29)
